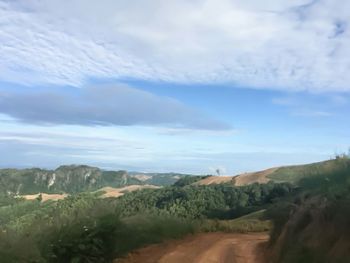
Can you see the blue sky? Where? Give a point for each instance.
(187, 86)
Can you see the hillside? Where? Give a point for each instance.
(260, 177)
(284, 174)
(293, 174)
(313, 226)
(79, 178)
(67, 179)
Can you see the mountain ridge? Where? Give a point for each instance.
(64, 179)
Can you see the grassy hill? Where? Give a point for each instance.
(293, 174)
(284, 174)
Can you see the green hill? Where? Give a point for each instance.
(68, 179)
(293, 174)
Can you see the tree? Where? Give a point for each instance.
(39, 198)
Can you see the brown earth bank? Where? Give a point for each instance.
(240, 179)
(205, 248)
(255, 177)
(45, 197)
(116, 192)
(214, 180)
(108, 192)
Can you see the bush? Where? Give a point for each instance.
(84, 241)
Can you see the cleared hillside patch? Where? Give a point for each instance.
(45, 197)
(116, 192)
(260, 177)
(214, 180)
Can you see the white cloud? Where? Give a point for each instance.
(289, 44)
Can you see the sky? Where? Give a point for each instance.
(185, 86)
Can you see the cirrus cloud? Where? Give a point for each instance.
(289, 45)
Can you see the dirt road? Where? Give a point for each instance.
(205, 248)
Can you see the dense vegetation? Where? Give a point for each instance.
(197, 202)
(86, 228)
(81, 228)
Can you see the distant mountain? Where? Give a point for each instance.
(67, 178)
(159, 179)
(79, 178)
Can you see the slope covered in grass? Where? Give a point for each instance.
(313, 226)
(293, 174)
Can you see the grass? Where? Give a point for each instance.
(253, 222)
(293, 174)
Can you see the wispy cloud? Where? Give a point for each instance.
(311, 113)
(313, 105)
(103, 106)
(292, 45)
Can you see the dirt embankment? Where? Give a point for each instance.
(239, 180)
(45, 197)
(205, 248)
(108, 192)
(256, 177)
(215, 180)
(116, 192)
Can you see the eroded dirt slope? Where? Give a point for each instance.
(255, 177)
(215, 180)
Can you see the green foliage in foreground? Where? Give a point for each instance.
(81, 228)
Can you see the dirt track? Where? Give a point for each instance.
(205, 248)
